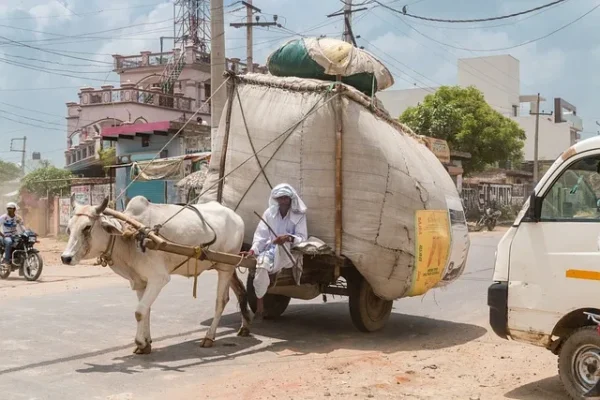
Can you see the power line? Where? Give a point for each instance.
(16, 63)
(20, 65)
(82, 14)
(509, 47)
(458, 27)
(34, 125)
(405, 13)
(53, 52)
(85, 35)
(31, 118)
(35, 89)
(400, 62)
(489, 79)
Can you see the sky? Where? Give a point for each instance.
(49, 49)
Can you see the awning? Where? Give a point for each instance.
(171, 168)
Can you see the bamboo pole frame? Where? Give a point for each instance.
(339, 130)
(225, 140)
(155, 242)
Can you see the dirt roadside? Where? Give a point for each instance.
(56, 277)
(453, 367)
(483, 369)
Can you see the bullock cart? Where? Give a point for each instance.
(321, 273)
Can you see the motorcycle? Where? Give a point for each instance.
(25, 257)
(489, 219)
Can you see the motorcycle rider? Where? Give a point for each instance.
(9, 223)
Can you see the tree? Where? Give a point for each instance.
(107, 157)
(9, 171)
(463, 118)
(47, 180)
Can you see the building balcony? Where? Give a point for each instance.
(147, 59)
(128, 93)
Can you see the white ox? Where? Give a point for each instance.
(148, 272)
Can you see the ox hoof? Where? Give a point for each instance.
(144, 350)
(206, 342)
(244, 331)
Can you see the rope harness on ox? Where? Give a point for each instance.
(140, 235)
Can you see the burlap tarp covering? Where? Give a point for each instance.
(157, 170)
(387, 173)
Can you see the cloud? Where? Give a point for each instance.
(49, 13)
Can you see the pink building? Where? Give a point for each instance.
(141, 98)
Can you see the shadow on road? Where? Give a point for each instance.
(545, 389)
(304, 329)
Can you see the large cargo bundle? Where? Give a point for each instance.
(402, 222)
(325, 59)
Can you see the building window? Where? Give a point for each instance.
(145, 141)
(164, 153)
(515, 110)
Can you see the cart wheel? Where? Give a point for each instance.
(369, 312)
(275, 304)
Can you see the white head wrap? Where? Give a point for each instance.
(282, 190)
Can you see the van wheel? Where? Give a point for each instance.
(579, 361)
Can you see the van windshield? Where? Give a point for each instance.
(576, 193)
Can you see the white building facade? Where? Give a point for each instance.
(498, 78)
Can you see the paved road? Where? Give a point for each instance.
(77, 345)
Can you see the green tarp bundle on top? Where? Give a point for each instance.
(325, 58)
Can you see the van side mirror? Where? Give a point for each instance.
(534, 211)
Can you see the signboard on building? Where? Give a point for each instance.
(438, 147)
(196, 144)
(99, 193)
(64, 206)
(81, 194)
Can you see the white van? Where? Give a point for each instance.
(547, 268)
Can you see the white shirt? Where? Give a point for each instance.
(293, 224)
(9, 224)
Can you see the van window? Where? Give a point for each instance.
(574, 196)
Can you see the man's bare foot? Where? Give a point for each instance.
(258, 317)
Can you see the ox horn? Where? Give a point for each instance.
(102, 207)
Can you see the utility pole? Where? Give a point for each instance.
(249, 30)
(347, 21)
(348, 35)
(217, 65)
(23, 151)
(537, 113)
(249, 38)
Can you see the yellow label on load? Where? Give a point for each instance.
(432, 245)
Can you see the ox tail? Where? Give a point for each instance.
(242, 296)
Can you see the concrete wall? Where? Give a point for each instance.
(396, 101)
(498, 77)
(553, 138)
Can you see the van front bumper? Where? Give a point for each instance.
(498, 303)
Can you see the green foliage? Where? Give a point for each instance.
(108, 156)
(463, 118)
(47, 180)
(9, 171)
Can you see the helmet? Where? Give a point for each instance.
(11, 205)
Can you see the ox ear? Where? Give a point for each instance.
(111, 225)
